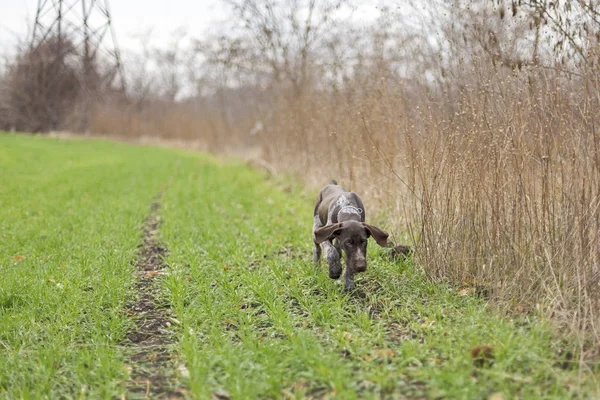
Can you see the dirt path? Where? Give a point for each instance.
(151, 362)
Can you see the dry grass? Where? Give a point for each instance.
(500, 190)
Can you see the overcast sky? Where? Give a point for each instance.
(129, 18)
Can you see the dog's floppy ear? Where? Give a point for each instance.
(379, 235)
(325, 232)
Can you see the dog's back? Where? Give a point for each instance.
(327, 195)
(332, 199)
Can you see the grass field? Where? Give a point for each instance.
(250, 317)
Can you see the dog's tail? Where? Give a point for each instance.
(333, 182)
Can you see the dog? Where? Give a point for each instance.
(339, 224)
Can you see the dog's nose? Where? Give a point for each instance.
(360, 266)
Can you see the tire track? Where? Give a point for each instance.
(150, 360)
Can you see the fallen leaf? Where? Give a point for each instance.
(384, 353)
(520, 308)
(301, 384)
(496, 396)
(468, 281)
(18, 257)
(482, 355)
(226, 267)
(221, 395)
(183, 371)
(464, 291)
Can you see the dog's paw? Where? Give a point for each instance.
(360, 268)
(335, 270)
(332, 256)
(333, 260)
(350, 286)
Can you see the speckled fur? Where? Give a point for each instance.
(334, 230)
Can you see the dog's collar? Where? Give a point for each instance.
(349, 209)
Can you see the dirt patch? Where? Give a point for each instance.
(151, 362)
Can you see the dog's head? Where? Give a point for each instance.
(352, 236)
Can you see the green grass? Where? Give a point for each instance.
(70, 217)
(256, 319)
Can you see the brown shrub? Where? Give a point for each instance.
(42, 87)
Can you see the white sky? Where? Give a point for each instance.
(129, 18)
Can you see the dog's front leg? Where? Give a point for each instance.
(317, 248)
(338, 246)
(317, 255)
(349, 278)
(333, 259)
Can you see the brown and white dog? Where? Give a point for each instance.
(339, 224)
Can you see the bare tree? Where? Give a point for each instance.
(274, 39)
(572, 27)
